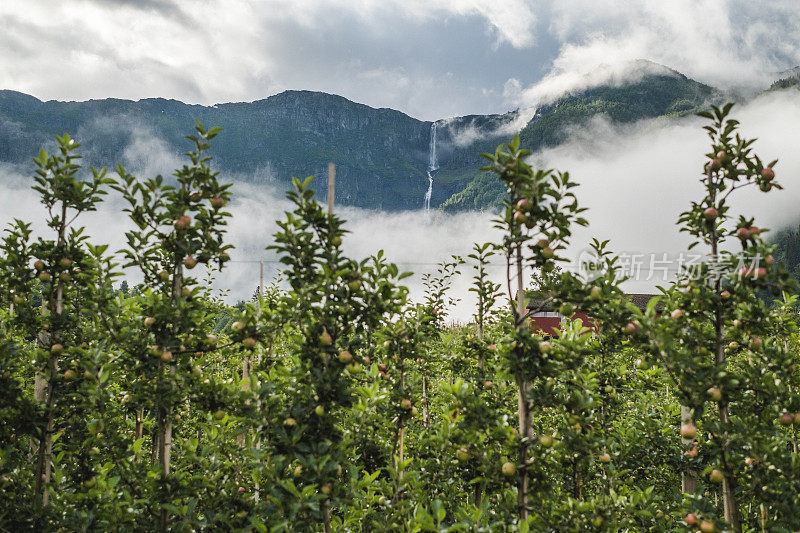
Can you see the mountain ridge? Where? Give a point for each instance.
(381, 153)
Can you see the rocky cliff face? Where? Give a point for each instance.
(381, 154)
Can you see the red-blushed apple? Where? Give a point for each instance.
(57, 349)
(716, 476)
(224, 257)
(366, 359)
(768, 173)
(38, 265)
(715, 164)
(289, 422)
(217, 202)
(725, 294)
(237, 326)
(382, 367)
(520, 217)
(714, 394)
(631, 328)
(509, 469)
(69, 374)
(182, 222)
(166, 356)
(691, 452)
(748, 461)
(345, 357)
(487, 384)
(65, 262)
(710, 213)
(524, 205)
(249, 343)
(743, 233)
(149, 321)
(706, 526)
(546, 440)
(676, 314)
(298, 471)
(190, 262)
(756, 343)
(691, 519)
(405, 403)
(688, 431)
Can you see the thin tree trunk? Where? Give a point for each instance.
(247, 368)
(522, 386)
(426, 416)
(45, 452)
(166, 412)
(480, 331)
(728, 482)
(689, 476)
(326, 516)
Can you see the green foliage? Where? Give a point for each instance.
(329, 401)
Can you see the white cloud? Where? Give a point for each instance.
(725, 43)
(635, 179)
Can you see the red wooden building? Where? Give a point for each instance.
(548, 320)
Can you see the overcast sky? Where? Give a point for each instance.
(429, 58)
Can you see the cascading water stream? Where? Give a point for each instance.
(433, 166)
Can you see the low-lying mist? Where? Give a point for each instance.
(635, 179)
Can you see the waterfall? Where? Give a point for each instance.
(433, 166)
